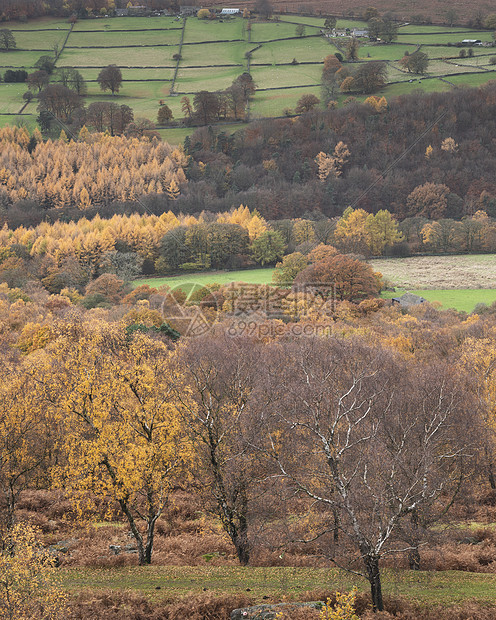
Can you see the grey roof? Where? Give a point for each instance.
(409, 299)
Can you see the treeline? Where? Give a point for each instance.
(120, 399)
(69, 255)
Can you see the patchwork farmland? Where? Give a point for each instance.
(165, 58)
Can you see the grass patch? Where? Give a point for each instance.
(112, 39)
(214, 54)
(142, 97)
(474, 271)
(264, 31)
(299, 75)
(18, 58)
(189, 282)
(11, 97)
(382, 52)
(448, 37)
(463, 300)
(477, 79)
(27, 40)
(28, 121)
(122, 57)
(304, 50)
(431, 588)
(193, 80)
(132, 75)
(426, 85)
(127, 23)
(205, 30)
(273, 102)
(40, 23)
(443, 51)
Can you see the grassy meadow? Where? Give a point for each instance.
(459, 282)
(95, 43)
(285, 583)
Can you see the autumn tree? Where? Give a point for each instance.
(110, 78)
(416, 62)
(370, 77)
(351, 234)
(287, 270)
(164, 115)
(352, 47)
(268, 247)
(206, 106)
(340, 276)
(306, 103)
(382, 231)
(72, 78)
(45, 63)
(329, 79)
(220, 374)
(429, 200)
(28, 578)
(59, 101)
(119, 424)
(366, 439)
(37, 80)
(24, 428)
(389, 29)
(7, 40)
(109, 116)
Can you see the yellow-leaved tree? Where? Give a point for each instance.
(120, 429)
(28, 581)
(479, 358)
(24, 437)
(382, 231)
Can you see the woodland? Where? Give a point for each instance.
(307, 443)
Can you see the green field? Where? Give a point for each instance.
(440, 279)
(95, 43)
(156, 582)
(463, 300)
(197, 280)
(299, 75)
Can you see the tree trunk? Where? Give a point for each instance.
(335, 514)
(241, 544)
(414, 554)
(414, 558)
(374, 577)
(150, 536)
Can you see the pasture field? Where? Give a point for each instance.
(120, 56)
(197, 30)
(190, 282)
(191, 80)
(303, 50)
(299, 75)
(214, 54)
(127, 23)
(472, 271)
(116, 39)
(459, 282)
(29, 40)
(273, 102)
(463, 300)
(10, 97)
(208, 62)
(156, 582)
(265, 31)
